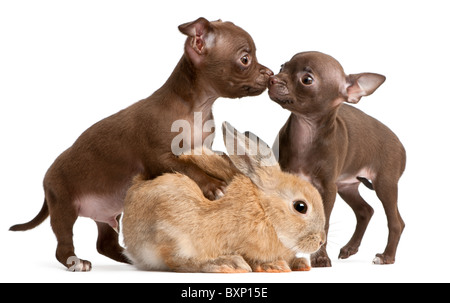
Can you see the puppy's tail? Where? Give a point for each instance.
(40, 217)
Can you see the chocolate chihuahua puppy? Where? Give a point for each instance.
(91, 178)
(336, 146)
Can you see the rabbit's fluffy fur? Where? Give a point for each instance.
(168, 224)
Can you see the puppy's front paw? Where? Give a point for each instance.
(347, 251)
(320, 259)
(300, 264)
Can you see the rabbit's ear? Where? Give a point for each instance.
(247, 152)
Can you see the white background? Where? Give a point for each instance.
(65, 65)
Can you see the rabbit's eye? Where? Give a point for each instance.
(300, 206)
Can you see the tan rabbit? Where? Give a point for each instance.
(265, 218)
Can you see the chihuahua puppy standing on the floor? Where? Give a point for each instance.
(91, 178)
(336, 146)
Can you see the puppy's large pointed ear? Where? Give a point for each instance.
(249, 154)
(360, 85)
(200, 38)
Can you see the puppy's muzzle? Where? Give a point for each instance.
(260, 83)
(278, 91)
(275, 81)
(265, 75)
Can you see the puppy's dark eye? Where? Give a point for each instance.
(307, 80)
(300, 206)
(245, 60)
(281, 68)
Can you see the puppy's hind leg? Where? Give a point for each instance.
(108, 242)
(363, 212)
(62, 219)
(387, 192)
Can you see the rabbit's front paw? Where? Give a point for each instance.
(227, 264)
(277, 266)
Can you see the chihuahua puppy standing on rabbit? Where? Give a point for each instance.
(265, 218)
